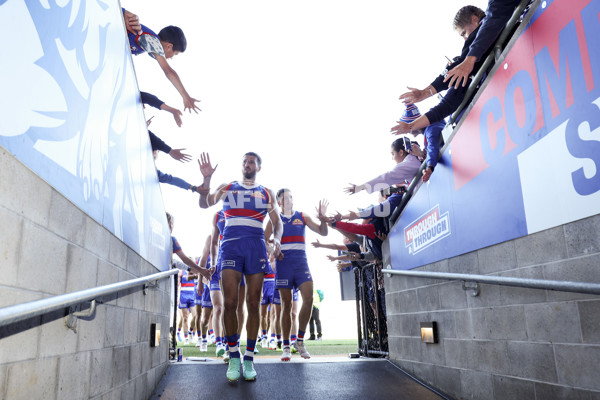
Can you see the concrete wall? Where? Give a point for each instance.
(506, 343)
(49, 247)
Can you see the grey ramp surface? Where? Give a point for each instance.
(356, 379)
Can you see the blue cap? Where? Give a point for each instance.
(410, 114)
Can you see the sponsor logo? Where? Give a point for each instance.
(228, 263)
(282, 282)
(297, 221)
(428, 229)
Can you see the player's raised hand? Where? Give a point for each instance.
(322, 210)
(205, 166)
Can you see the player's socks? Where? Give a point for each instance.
(292, 338)
(250, 345)
(286, 343)
(300, 338)
(234, 350)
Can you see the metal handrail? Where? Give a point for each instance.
(20, 312)
(563, 286)
(473, 86)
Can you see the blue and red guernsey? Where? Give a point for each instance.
(187, 285)
(134, 38)
(175, 243)
(220, 221)
(245, 209)
(293, 239)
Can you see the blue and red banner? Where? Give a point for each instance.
(527, 156)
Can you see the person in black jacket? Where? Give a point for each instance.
(466, 24)
(153, 101)
(496, 16)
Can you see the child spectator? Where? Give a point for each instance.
(406, 168)
(433, 138)
(169, 42)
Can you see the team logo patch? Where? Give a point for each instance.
(258, 195)
(228, 263)
(297, 221)
(428, 229)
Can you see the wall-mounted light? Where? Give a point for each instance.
(154, 335)
(429, 332)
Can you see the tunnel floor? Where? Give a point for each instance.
(321, 377)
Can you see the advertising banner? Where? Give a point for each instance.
(527, 156)
(71, 112)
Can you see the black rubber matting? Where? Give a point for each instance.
(318, 379)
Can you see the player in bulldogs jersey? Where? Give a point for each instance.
(292, 270)
(215, 286)
(243, 251)
(205, 311)
(217, 236)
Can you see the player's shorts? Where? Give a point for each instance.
(218, 266)
(197, 297)
(268, 291)
(215, 285)
(206, 302)
(215, 278)
(247, 255)
(186, 299)
(276, 297)
(291, 273)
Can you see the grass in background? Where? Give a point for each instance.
(327, 347)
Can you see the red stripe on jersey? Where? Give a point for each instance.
(292, 239)
(244, 212)
(188, 284)
(302, 216)
(270, 276)
(217, 217)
